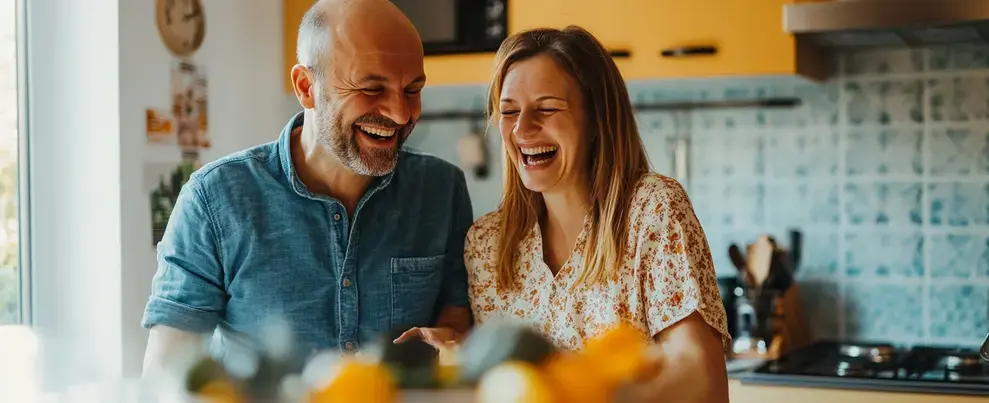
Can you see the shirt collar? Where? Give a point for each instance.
(285, 155)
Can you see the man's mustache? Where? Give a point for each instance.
(377, 120)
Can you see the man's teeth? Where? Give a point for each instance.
(537, 150)
(378, 132)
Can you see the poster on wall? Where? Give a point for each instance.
(163, 181)
(158, 126)
(189, 105)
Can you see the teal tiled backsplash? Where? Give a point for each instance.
(885, 169)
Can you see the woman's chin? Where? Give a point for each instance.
(540, 182)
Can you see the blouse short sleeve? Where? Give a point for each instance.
(677, 275)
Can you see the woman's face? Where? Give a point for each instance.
(543, 125)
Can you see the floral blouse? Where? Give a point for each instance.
(667, 274)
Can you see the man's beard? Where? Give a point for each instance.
(341, 139)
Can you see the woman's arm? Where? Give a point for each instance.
(684, 311)
(691, 365)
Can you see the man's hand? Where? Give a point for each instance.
(438, 337)
(451, 326)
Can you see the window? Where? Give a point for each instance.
(10, 163)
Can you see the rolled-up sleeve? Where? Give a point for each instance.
(454, 291)
(187, 290)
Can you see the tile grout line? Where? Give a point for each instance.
(925, 158)
(842, 214)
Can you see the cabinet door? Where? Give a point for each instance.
(612, 22)
(292, 12)
(701, 38)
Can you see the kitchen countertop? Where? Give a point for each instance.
(748, 393)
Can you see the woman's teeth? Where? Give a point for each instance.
(376, 131)
(537, 150)
(532, 156)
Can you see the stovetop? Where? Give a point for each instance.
(878, 366)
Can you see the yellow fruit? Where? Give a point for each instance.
(219, 392)
(358, 381)
(574, 379)
(618, 354)
(514, 382)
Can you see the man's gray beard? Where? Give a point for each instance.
(341, 140)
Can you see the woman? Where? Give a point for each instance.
(586, 236)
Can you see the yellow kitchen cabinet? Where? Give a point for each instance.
(292, 12)
(747, 37)
(712, 38)
(609, 21)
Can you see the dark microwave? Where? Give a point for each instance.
(458, 26)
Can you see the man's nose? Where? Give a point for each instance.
(397, 107)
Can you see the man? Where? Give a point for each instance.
(334, 227)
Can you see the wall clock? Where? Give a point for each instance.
(181, 24)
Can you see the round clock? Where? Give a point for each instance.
(181, 25)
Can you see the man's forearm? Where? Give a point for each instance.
(167, 345)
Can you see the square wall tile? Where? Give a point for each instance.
(959, 311)
(959, 57)
(883, 204)
(883, 61)
(961, 256)
(884, 255)
(801, 153)
(742, 204)
(959, 99)
(962, 151)
(705, 196)
(742, 154)
(884, 102)
(800, 203)
(884, 152)
(704, 155)
(959, 204)
(884, 312)
(818, 254)
(819, 107)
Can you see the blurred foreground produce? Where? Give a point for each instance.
(499, 362)
(493, 343)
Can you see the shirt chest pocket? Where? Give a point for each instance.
(415, 287)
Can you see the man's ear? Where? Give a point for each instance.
(302, 84)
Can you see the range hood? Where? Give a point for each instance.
(853, 24)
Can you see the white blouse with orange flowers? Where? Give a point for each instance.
(667, 274)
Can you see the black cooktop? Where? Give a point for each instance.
(876, 366)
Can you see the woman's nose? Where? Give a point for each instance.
(526, 125)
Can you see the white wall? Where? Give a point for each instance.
(95, 66)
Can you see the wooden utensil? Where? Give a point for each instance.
(760, 257)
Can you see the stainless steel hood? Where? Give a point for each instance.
(888, 23)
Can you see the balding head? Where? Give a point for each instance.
(359, 76)
(352, 28)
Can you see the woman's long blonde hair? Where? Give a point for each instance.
(618, 158)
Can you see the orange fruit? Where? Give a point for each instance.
(218, 391)
(514, 382)
(574, 379)
(618, 354)
(358, 381)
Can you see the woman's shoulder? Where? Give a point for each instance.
(656, 191)
(485, 227)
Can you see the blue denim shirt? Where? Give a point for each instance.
(246, 240)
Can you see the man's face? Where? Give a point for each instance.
(367, 105)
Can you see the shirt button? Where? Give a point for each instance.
(349, 346)
(346, 282)
(336, 217)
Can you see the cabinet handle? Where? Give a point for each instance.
(620, 53)
(689, 51)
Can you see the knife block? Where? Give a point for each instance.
(783, 327)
